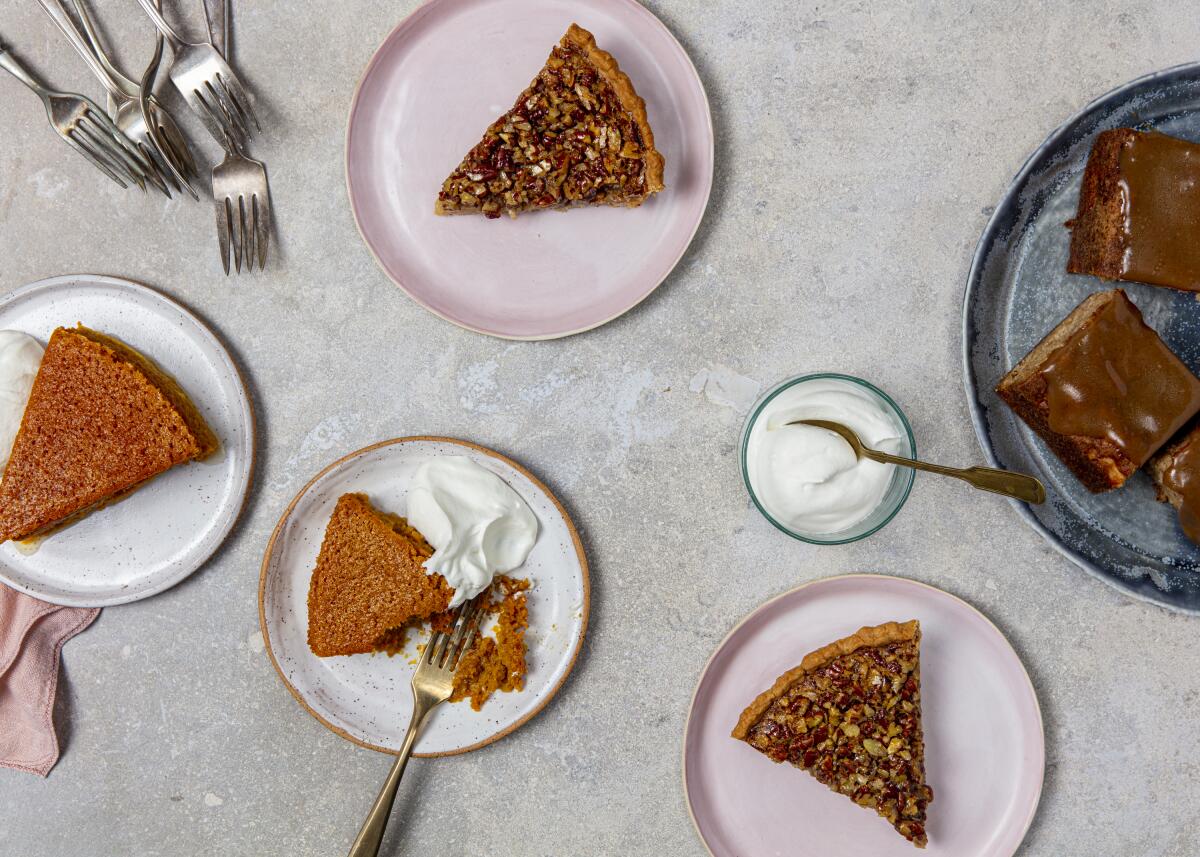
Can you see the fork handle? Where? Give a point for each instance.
(9, 63)
(370, 837)
(159, 21)
(58, 14)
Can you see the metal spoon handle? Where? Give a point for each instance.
(1016, 485)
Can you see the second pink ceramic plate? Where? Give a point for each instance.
(428, 94)
(985, 753)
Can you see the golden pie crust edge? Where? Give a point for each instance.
(634, 104)
(864, 638)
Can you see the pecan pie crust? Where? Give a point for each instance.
(578, 135)
(850, 715)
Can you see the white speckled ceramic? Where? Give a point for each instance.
(984, 746)
(367, 698)
(165, 530)
(433, 87)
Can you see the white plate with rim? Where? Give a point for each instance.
(366, 698)
(169, 527)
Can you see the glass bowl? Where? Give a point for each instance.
(897, 491)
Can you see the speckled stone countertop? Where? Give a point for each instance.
(860, 148)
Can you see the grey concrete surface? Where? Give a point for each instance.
(860, 148)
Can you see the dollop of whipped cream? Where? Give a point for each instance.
(20, 356)
(479, 526)
(808, 478)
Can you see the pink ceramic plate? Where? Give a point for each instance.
(985, 752)
(429, 92)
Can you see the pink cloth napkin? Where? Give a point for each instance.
(32, 634)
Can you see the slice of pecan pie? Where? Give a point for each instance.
(577, 136)
(850, 715)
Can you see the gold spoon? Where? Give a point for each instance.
(1016, 485)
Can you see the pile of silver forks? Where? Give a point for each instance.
(138, 142)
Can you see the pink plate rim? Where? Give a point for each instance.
(1037, 706)
(410, 21)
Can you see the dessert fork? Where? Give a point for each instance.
(432, 684)
(239, 183)
(140, 109)
(83, 126)
(207, 83)
(243, 202)
(1006, 482)
(132, 126)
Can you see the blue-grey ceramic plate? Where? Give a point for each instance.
(1019, 289)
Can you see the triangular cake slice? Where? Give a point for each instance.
(101, 420)
(577, 136)
(369, 583)
(850, 715)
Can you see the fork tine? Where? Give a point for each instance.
(95, 161)
(251, 249)
(178, 167)
(211, 118)
(173, 137)
(103, 154)
(235, 96)
(113, 153)
(264, 227)
(162, 177)
(223, 217)
(439, 653)
(464, 630)
(231, 118)
(243, 243)
(123, 143)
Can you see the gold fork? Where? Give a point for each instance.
(432, 684)
(1006, 482)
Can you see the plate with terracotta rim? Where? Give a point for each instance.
(438, 80)
(984, 745)
(366, 698)
(168, 528)
(1018, 289)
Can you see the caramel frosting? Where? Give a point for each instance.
(1183, 477)
(1160, 184)
(1116, 379)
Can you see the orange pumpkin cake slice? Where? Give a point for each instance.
(101, 420)
(369, 582)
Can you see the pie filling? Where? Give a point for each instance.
(854, 723)
(569, 140)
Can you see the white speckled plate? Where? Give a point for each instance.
(367, 698)
(167, 529)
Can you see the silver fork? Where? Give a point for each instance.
(135, 130)
(140, 109)
(207, 83)
(432, 685)
(83, 126)
(243, 203)
(240, 190)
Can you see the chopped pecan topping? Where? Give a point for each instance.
(855, 725)
(567, 141)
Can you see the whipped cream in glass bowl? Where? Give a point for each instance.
(806, 480)
(20, 357)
